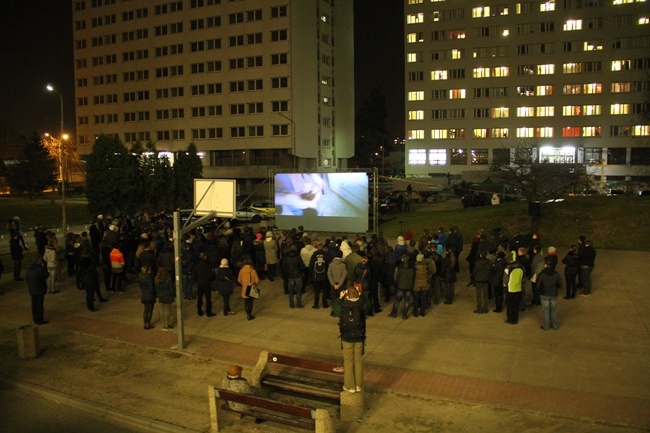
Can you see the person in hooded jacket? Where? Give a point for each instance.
(147, 295)
(224, 279)
(165, 292)
(548, 283)
(89, 279)
(404, 279)
(498, 267)
(271, 255)
(571, 270)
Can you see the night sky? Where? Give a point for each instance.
(37, 48)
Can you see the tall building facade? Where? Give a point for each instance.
(256, 85)
(568, 78)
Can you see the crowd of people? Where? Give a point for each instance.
(408, 278)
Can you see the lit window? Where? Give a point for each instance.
(547, 6)
(591, 131)
(572, 89)
(499, 112)
(481, 72)
(415, 37)
(571, 25)
(481, 133)
(525, 111)
(499, 132)
(416, 96)
(644, 20)
(457, 94)
(544, 132)
(571, 110)
(417, 156)
(415, 19)
(572, 68)
(438, 134)
(564, 155)
(456, 54)
(479, 157)
(525, 132)
(623, 87)
(416, 115)
(591, 110)
(593, 88)
(641, 130)
(458, 157)
(438, 75)
(592, 46)
(481, 12)
(500, 71)
(505, 32)
(546, 90)
(545, 69)
(437, 156)
(619, 109)
(571, 131)
(416, 134)
(413, 57)
(620, 65)
(548, 111)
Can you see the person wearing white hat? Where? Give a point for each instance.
(271, 254)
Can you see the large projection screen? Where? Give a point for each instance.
(328, 202)
(218, 195)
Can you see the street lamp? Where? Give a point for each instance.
(382, 160)
(62, 137)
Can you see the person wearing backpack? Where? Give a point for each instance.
(352, 325)
(318, 270)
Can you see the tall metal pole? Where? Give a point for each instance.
(51, 88)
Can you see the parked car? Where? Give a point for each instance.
(264, 206)
(644, 192)
(614, 192)
(242, 215)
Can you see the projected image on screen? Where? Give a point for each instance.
(333, 202)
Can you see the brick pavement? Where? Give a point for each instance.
(594, 401)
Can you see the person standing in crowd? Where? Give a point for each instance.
(117, 269)
(52, 261)
(293, 266)
(352, 326)
(586, 260)
(224, 280)
(498, 269)
(165, 292)
(571, 269)
(203, 276)
(37, 283)
(421, 283)
(391, 261)
(16, 255)
(548, 283)
(482, 274)
(318, 269)
(448, 275)
(270, 254)
(404, 279)
(147, 295)
(89, 279)
(514, 280)
(536, 266)
(187, 269)
(376, 265)
(337, 275)
(248, 277)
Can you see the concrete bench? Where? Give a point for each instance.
(317, 420)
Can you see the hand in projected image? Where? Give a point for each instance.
(306, 191)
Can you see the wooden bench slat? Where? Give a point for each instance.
(264, 403)
(307, 364)
(330, 390)
(307, 424)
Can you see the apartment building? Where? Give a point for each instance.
(566, 77)
(257, 85)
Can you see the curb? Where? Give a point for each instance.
(100, 410)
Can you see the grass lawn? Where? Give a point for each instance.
(45, 210)
(620, 223)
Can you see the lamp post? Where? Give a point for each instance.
(62, 137)
(382, 160)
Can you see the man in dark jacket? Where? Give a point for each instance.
(586, 259)
(294, 268)
(318, 269)
(203, 276)
(37, 275)
(548, 283)
(482, 275)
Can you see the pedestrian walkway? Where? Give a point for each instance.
(596, 366)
